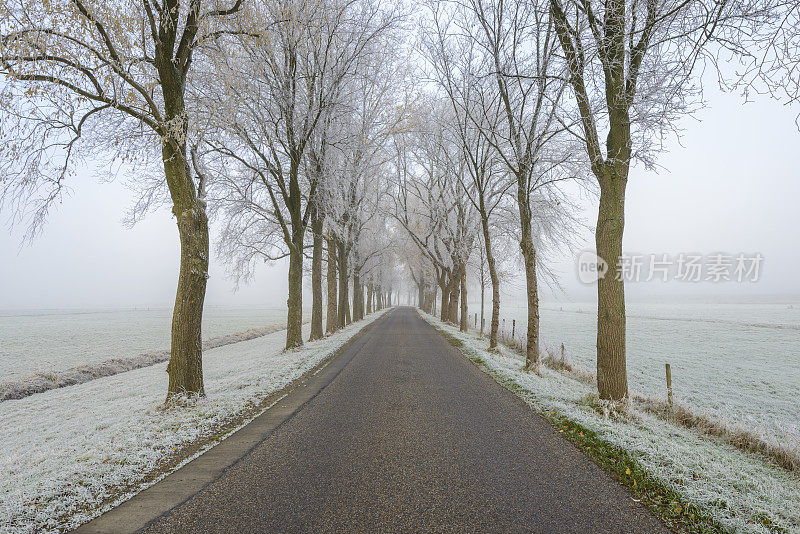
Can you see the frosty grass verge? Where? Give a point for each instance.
(66, 450)
(735, 487)
(42, 381)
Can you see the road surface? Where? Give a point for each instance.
(409, 436)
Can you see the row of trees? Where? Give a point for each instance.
(357, 140)
(267, 115)
(545, 93)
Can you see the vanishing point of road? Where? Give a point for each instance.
(405, 435)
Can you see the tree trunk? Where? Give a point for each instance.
(358, 295)
(452, 306)
(529, 259)
(332, 319)
(490, 261)
(443, 315)
(483, 296)
(532, 345)
(344, 297)
(370, 296)
(430, 299)
(464, 325)
(185, 366)
(316, 277)
(294, 321)
(612, 378)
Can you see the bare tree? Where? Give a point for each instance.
(112, 76)
(515, 47)
(460, 67)
(629, 65)
(431, 203)
(369, 114)
(285, 73)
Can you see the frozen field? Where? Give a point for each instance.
(66, 450)
(55, 340)
(739, 361)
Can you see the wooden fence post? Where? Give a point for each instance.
(669, 387)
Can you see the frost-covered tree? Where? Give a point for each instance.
(85, 77)
(371, 111)
(630, 67)
(460, 66)
(431, 203)
(275, 88)
(512, 45)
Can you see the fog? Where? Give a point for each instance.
(730, 184)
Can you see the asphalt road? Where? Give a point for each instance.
(411, 437)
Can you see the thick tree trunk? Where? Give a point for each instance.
(443, 315)
(294, 321)
(464, 325)
(483, 298)
(316, 278)
(185, 366)
(363, 309)
(370, 296)
(452, 306)
(612, 378)
(332, 319)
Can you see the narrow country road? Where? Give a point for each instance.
(411, 437)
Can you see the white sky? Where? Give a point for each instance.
(732, 187)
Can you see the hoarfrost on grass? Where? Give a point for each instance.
(737, 488)
(42, 381)
(49, 341)
(66, 449)
(737, 362)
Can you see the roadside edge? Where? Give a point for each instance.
(202, 462)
